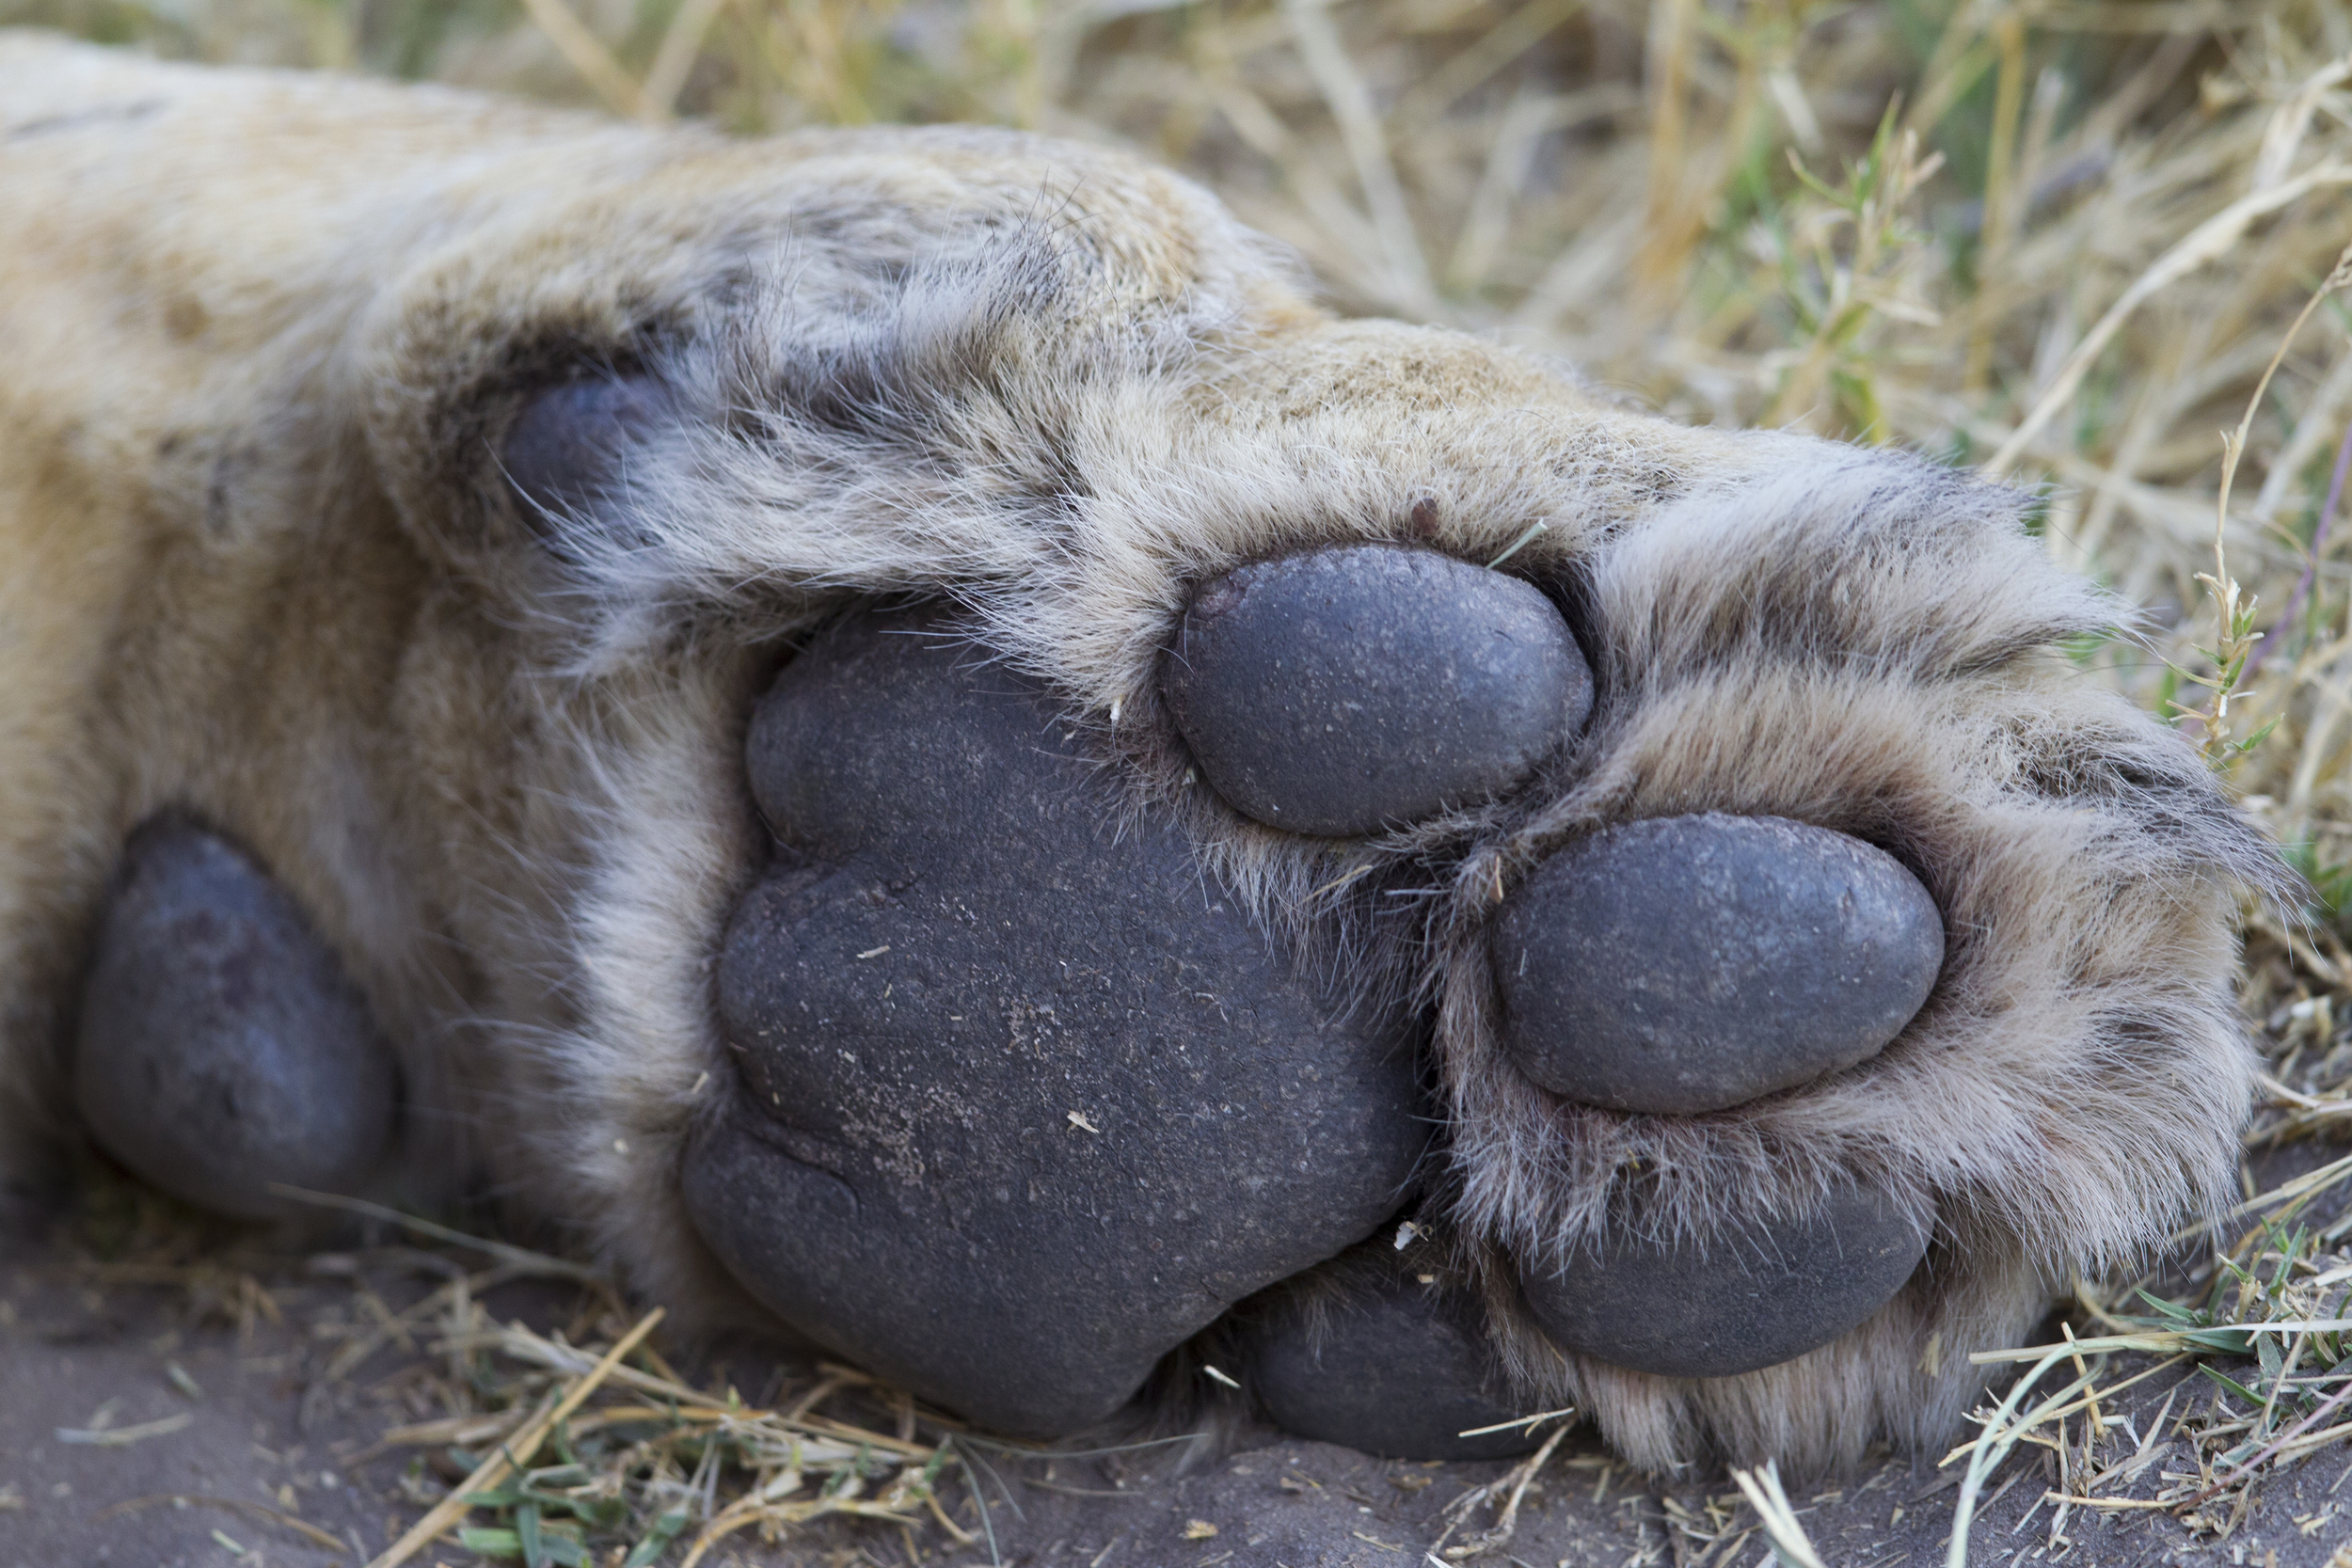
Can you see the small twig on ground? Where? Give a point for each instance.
(505, 1252)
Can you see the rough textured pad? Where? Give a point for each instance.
(1376, 1359)
(1750, 1299)
(565, 449)
(1335, 691)
(221, 1048)
(1027, 1100)
(1690, 964)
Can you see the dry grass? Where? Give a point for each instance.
(581, 1445)
(2063, 240)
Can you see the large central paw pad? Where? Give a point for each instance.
(1025, 1101)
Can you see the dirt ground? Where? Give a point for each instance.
(142, 1424)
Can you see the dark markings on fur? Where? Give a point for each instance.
(1344, 689)
(897, 380)
(220, 1046)
(1747, 1299)
(1685, 964)
(569, 447)
(1378, 1351)
(2162, 792)
(1025, 1102)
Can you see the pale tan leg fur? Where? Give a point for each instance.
(260, 336)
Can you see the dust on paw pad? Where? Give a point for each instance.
(1345, 690)
(1382, 1352)
(1751, 1296)
(1684, 964)
(1023, 1102)
(220, 1047)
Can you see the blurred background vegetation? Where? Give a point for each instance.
(2058, 239)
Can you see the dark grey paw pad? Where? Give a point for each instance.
(1373, 1356)
(567, 446)
(1345, 689)
(220, 1046)
(1685, 964)
(1752, 1298)
(1024, 1102)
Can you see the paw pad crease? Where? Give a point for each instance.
(1344, 689)
(1683, 964)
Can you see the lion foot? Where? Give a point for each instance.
(1027, 1100)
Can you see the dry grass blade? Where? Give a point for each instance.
(588, 56)
(122, 1437)
(1763, 1489)
(2209, 241)
(1350, 102)
(2245, 1469)
(661, 1459)
(312, 1533)
(514, 1455)
(522, 1261)
(1512, 1486)
(681, 42)
(2234, 634)
(2276, 1305)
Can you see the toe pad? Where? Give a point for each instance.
(220, 1047)
(566, 447)
(1394, 1367)
(1343, 689)
(1685, 964)
(1751, 1299)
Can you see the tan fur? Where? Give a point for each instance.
(260, 336)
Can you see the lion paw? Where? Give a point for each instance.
(1341, 783)
(1026, 1100)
